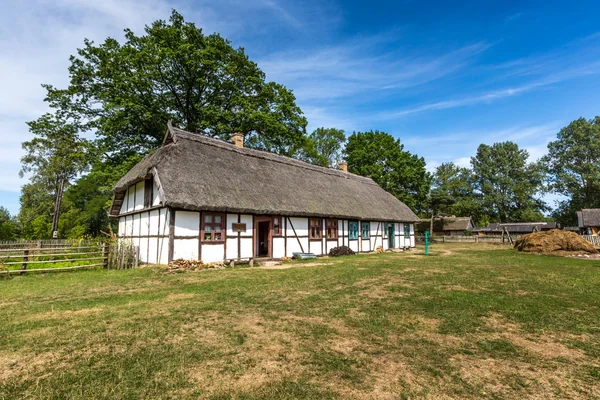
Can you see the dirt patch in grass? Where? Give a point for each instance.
(511, 379)
(546, 345)
(24, 366)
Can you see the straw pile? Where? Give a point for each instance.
(554, 241)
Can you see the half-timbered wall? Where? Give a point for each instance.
(148, 226)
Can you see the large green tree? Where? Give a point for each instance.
(54, 157)
(126, 92)
(7, 225)
(573, 166)
(508, 184)
(324, 147)
(459, 184)
(383, 158)
(123, 94)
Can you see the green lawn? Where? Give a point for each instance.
(470, 321)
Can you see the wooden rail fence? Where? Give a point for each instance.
(595, 240)
(65, 257)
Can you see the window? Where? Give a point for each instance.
(366, 230)
(332, 229)
(353, 230)
(148, 192)
(407, 231)
(276, 226)
(213, 226)
(316, 226)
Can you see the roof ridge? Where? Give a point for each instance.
(267, 155)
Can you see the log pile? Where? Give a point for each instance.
(341, 251)
(181, 265)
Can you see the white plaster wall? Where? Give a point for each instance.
(353, 244)
(293, 247)
(187, 223)
(231, 219)
(412, 235)
(144, 249)
(129, 198)
(164, 221)
(163, 250)
(128, 225)
(136, 224)
(232, 248)
(154, 223)
(247, 219)
(139, 196)
(186, 249)
(212, 252)
(246, 247)
(124, 204)
(152, 250)
(155, 194)
(315, 247)
(278, 247)
(121, 231)
(300, 225)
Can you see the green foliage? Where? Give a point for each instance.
(127, 92)
(459, 184)
(383, 158)
(573, 166)
(325, 146)
(7, 225)
(124, 94)
(507, 182)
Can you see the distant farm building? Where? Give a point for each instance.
(447, 226)
(200, 198)
(516, 228)
(588, 221)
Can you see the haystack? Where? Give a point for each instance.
(553, 241)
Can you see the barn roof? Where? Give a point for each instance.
(518, 227)
(442, 224)
(196, 172)
(589, 217)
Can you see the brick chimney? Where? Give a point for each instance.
(343, 166)
(238, 139)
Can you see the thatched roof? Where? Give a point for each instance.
(445, 224)
(589, 217)
(201, 173)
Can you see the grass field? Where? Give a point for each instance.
(470, 321)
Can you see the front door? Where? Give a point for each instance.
(391, 236)
(263, 237)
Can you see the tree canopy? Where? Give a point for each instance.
(508, 184)
(573, 166)
(127, 92)
(382, 157)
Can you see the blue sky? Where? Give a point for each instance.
(441, 76)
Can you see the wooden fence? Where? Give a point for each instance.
(466, 239)
(595, 240)
(65, 257)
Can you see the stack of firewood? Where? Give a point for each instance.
(341, 251)
(181, 265)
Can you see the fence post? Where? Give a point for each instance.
(105, 250)
(25, 259)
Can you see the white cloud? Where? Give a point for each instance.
(358, 67)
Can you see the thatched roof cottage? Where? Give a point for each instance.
(197, 197)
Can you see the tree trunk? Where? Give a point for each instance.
(57, 202)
